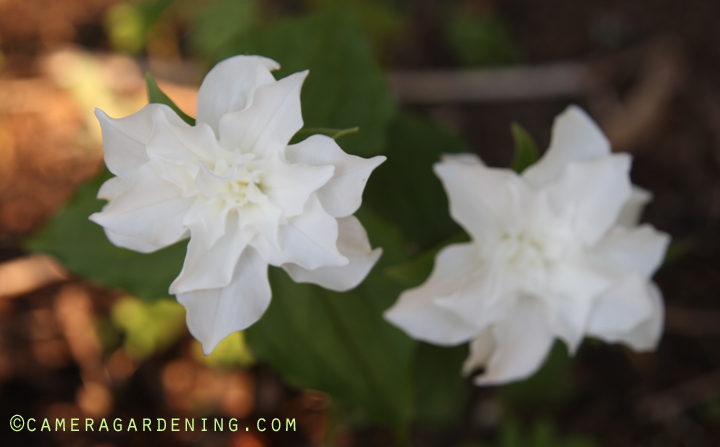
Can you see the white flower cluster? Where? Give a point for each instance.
(555, 253)
(243, 195)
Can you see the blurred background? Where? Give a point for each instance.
(647, 70)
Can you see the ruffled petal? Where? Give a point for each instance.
(416, 311)
(631, 304)
(481, 348)
(179, 151)
(640, 249)
(575, 137)
(353, 243)
(151, 210)
(213, 314)
(342, 195)
(485, 201)
(522, 343)
(267, 124)
(289, 186)
(308, 240)
(124, 139)
(230, 85)
(112, 188)
(131, 243)
(632, 210)
(591, 194)
(209, 264)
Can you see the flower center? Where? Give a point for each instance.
(236, 184)
(524, 256)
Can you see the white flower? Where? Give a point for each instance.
(555, 253)
(244, 196)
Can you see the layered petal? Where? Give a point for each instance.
(591, 194)
(417, 312)
(151, 210)
(485, 201)
(210, 265)
(352, 243)
(308, 240)
(230, 85)
(267, 124)
(289, 186)
(575, 137)
(124, 139)
(213, 314)
(481, 348)
(522, 342)
(342, 195)
(640, 249)
(630, 213)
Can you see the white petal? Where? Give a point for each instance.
(591, 194)
(273, 117)
(416, 311)
(131, 243)
(630, 213)
(180, 150)
(342, 195)
(481, 348)
(213, 314)
(308, 240)
(522, 342)
(622, 308)
(289, 186)
(640, 249)
(151, 210)
(575, 137)
(485, 201)
(112, 188)
(352, 243)
(646, 335)
(124, 139)
(230, 85)
(209, 266)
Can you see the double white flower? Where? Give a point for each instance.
(555, 253)
(244, 196)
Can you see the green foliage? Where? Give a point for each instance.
(543, 434)
(441, 390)
(552, 384)
(232, 352)
(218, 22)
(526, 152)
(148, 327)
(405, 190)
(345, 88)
(128, 24)
(157, 96)
(339, 342)
(415, 272)
(81, 245)
(333, 133)
(480, 38)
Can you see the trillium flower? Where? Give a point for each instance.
(243, 195)
(555, 253)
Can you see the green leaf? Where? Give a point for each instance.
(82, 247)
(157, 96)
(552, 384)
(217, 22)
(339, 342)
(345, 88)
(405, 190)
(526, 152)
(415, 272)
(441, 390)
(333, 133)
(480, 37)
